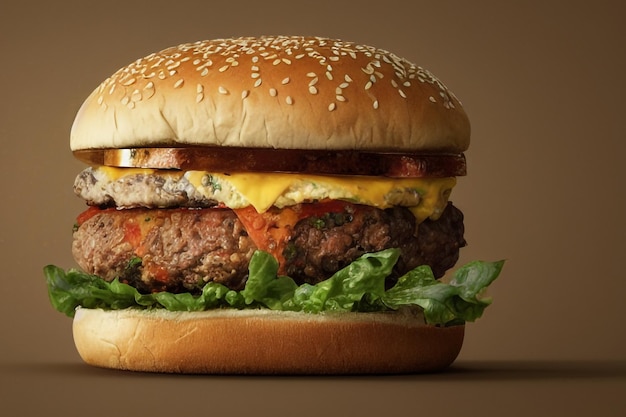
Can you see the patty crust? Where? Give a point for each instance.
(179, 250)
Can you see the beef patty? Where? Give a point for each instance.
(322, 245)
(179, 250)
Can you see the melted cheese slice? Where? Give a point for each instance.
(264, 190)
(425, 197)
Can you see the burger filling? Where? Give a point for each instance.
(174, 231)
(180, 250)
(134, 187)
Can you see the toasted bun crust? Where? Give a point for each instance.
(273, 92)
(263, 342)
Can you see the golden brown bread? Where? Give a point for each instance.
(263, 342)
(273, 92)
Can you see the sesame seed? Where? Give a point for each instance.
(147, 93)
(222, 90)
(125, 100)
(289, 100)
(100, 100)
(375, 63)
(136, 96)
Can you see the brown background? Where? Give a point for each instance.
(543, 83)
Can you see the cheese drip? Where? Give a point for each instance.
(425, 197)
(264, 190)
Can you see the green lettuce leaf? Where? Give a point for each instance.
(357, 287)
(460, 300)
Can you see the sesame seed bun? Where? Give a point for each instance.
(263, 342)
(236, 108)
(273, 92)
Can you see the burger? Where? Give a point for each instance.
(270, 205)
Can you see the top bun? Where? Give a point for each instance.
(273, 92)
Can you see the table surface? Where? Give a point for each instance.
(585, 388)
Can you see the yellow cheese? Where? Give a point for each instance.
(425, 197)
(262, 190)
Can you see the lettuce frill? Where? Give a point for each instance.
(358, 287)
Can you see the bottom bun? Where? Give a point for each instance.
(263, 342)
